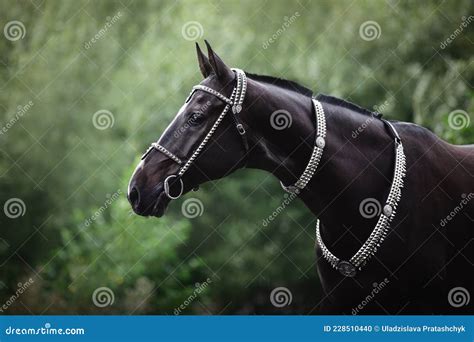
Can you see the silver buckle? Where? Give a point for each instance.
(167, 187)
(291, 189)
(241, 129)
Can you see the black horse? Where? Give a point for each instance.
(425, 264)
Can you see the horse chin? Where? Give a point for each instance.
(161, 204)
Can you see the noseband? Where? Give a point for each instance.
(235, 102)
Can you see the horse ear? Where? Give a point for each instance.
(203, 61)
(222, 71)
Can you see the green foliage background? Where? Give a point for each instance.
(141, 70)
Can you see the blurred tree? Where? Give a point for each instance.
(131, 61)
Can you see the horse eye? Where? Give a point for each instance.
(196, 118)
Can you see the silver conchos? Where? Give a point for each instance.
(387, 210)
(315, 158)
(346, 269)
(237, 109)
(320, 142)
(378, 235)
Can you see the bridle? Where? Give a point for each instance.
(368, 249)
(235, 102)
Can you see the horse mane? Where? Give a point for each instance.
(280, 82)
(294, 86)
(345, 104)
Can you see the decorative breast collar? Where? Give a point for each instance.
(369, 248)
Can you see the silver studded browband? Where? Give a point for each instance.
(235, 102)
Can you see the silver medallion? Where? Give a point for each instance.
(387, 210)
(320, 142)
(237, 109)
(346, 269)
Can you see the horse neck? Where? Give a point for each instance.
(357, 162)
(279, 150)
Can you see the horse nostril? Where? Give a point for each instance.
(134, 197)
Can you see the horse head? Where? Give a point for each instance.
(199, 145)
